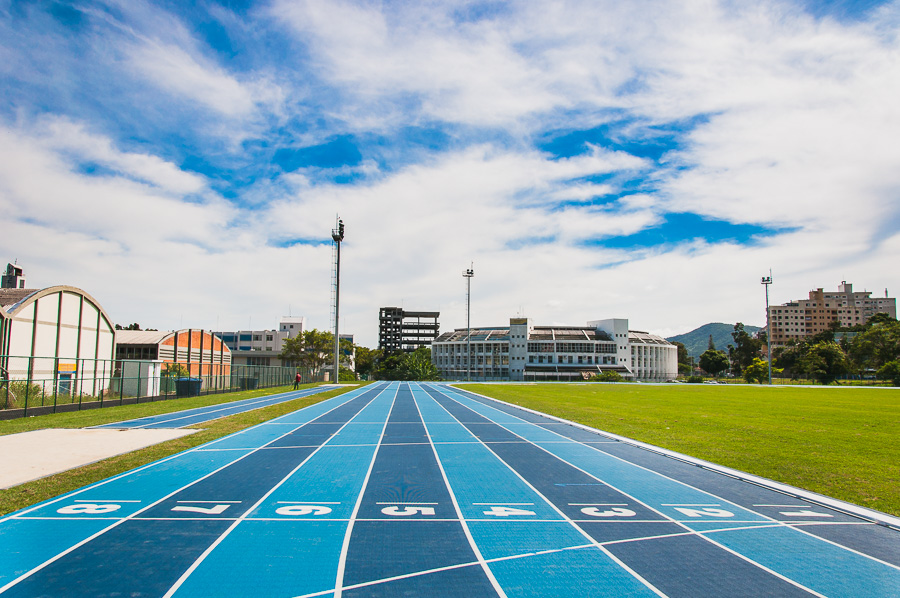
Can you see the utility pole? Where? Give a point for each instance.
(468, 274)
(337, 235)
(767, 280)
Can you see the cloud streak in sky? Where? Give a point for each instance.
(594, 159)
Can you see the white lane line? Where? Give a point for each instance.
(789, 491)
(559, 511)
(202, 411)
(347, 397)
(459, 513)
(786, 524)
(245, 514)
(74, 547)
(342, 561)
(305, 502)
(667, 517)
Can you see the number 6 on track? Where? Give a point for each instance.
(303, 510)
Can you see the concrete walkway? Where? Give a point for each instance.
(29, 456)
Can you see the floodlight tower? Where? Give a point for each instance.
(337, 235)
(468, 274)
(767, 280)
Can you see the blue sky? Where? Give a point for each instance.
(184, 163)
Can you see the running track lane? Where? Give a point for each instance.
(189, 417)
(477, 498)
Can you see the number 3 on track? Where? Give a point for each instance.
(614, 512)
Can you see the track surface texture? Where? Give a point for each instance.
(405, 489)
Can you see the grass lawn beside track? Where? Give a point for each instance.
(840, 442)
(24, 495)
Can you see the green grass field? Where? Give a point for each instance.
(19, 497)
(840, 442)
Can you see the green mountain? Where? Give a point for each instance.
(697, 341)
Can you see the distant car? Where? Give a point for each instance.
(711, 382)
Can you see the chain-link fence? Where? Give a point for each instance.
(39, 385)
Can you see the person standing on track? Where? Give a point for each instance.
(296, 380)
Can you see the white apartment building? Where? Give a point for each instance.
(523, 351)
(261, 347)
(800, 319)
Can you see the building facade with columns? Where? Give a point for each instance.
(523, 351)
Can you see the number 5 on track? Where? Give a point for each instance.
(406, 511)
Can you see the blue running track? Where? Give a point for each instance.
(404, 489)
(189, 417)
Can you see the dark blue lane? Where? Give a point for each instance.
(703, 564)
(397, 531)
(462, 582)
(837, 526)
(113, 568)
(187, 417)
(691, 566)
(116, 563)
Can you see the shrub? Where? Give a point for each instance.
(695, 379)
(17, 389)
(607, 376)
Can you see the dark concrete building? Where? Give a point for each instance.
(400, 330)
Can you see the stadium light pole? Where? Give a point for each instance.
(767, 280)
(468, 274)
(337, 235)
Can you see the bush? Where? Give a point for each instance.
(890, 371)
(17, 390)
(607, 376)
(695, 379)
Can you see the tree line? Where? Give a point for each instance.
(314, 349)
(868, 350)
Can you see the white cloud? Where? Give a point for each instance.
(795, 126)
(173, 69)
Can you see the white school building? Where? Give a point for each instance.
(523, 351)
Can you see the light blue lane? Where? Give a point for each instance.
(74, 517)
(26, 544)
(210, 412)
(291, 543)
(507, 518)
(820, 566)
(134, 490)
(829, 569)
(266, 432)
(673, 499)
(583, 573)
(270, 558)
(77, 515)
(485, 488)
